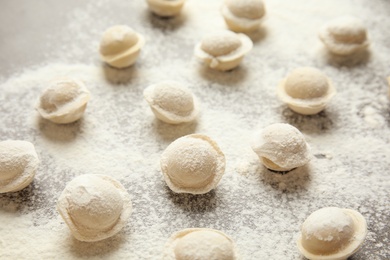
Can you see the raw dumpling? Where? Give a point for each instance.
(306, 90)
(172, 102)
(243, 15)
(200, 244)
(64, 101)
(120, 46)
(94, 207)
(332, 234)
(18, 164)
(223, 50)
(281, 147)
(166, 8)
(192, 164)
(345, 35)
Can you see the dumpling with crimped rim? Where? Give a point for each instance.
(200, 243)
(94, 207)
(166, 8)
(18, 165)
(332, 234)
(281, 147)
(172, 102)
(243, 15)
(344, 35)
(306, 90)
(120, 46)
(64, 101)
(192, 164)
(223, 50)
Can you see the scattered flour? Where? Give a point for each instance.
(120, 137)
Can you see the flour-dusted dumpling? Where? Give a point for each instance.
(200, 244)
(332, 234)
(18, 164)
(120, 46)
(172, 102)
(223, 50)
(345, 35)
(64, 101)
(281, 147)
(192, 164)
(388, 82)
(94, 207)
(306, 90)
(243, 15)
(166, 8)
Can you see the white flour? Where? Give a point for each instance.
(119, 135)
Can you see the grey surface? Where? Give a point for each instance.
(34, 33)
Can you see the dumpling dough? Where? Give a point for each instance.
(192, 164)
(243, 15)
(345, 35)
(120, 46)
(18, 164)
(172, 102)
(306, 90)
(94, 207)
(64, 101)
(332, 233)
(223, 50)
(166, 8)
(281, 147)
(200, 243)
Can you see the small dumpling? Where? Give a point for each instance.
(223, 50)
(64, 101)
(344, 35)
(243, 15)
(192, 164)
(165, 8)
(281, 147)
(18, 165)
(332, 233)
(172, 102)
(306, 90)
(200, 243)
(120, 46)
(94, 207)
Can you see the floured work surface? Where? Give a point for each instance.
(119, 136)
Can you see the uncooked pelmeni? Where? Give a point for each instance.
(94, 207)
(120, 46)
(332, 234)
(281, 147)
(200, 244)
(166, 8)
(306, 90)
(18, 164)
(171, 102)
(64, 101)
(243, 15)
(192, 164)
(345, 35)
(223, 50)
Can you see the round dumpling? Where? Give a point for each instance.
(223, 50)
(281, 147)
(94, 207)
(344, 35)
(64, 101)
(18, 164)
(193, 164)
(200, 243)
(172, 102)
(332, 233)
(120, 46)
(306, 90)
